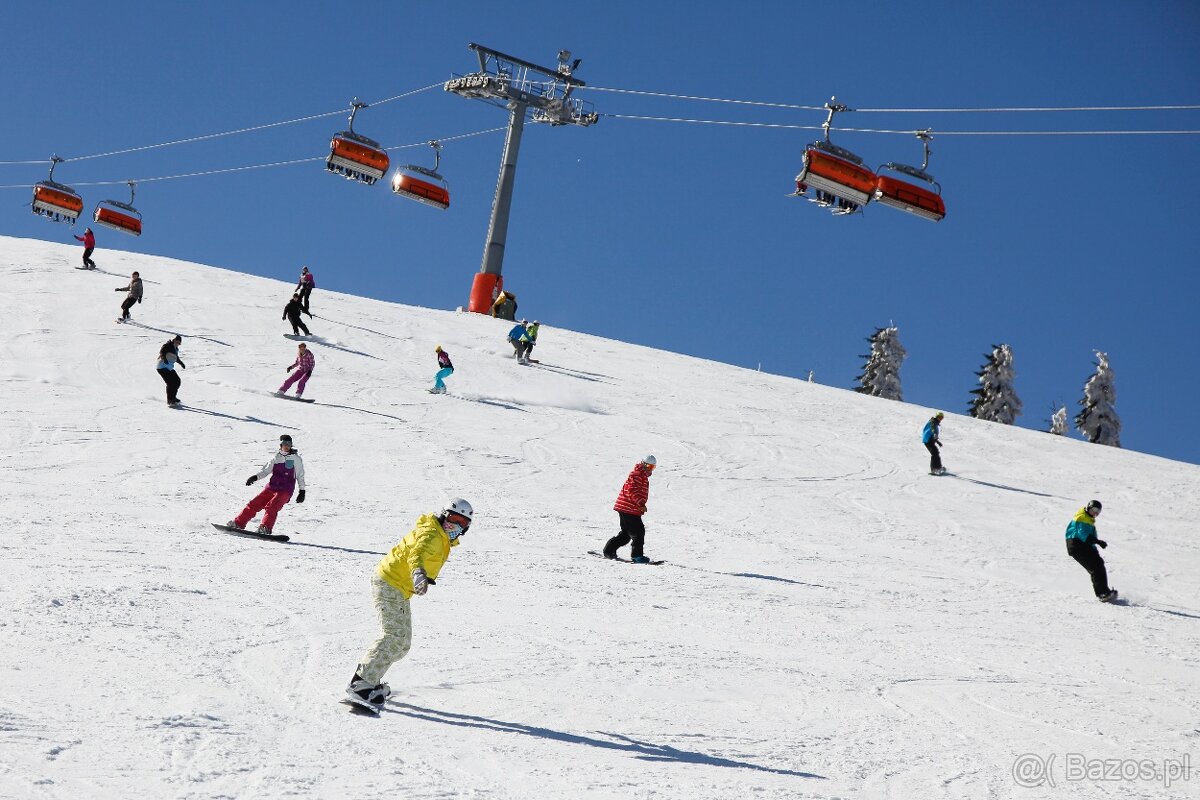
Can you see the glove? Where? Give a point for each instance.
(420, 581)
(181, 365)
(139, 300)
(251, 479)
(287, 369)
(300, 497)
(1103, 544)
(120, 290)
(643, 509)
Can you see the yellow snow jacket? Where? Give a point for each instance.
(426, 546)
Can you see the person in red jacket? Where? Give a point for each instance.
(631, 505)
(89, 244)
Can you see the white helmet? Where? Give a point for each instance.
(651, 460)
(459, 506)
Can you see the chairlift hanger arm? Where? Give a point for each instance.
(484, 52)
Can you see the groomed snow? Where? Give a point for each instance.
(832, 621)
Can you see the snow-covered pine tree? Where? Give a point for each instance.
(996, 399)
(1098, 421)
(1058, 419)
(881, 373)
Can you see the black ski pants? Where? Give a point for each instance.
(632, 530)
(171, 379)
(87, 258)
(126, 305)
(1090, 560)
(935, 457)
(297, 325)
(304, 292)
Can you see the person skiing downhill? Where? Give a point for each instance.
(445, 370)
(304, 363)
(930, 437)
(410, 568)
(287, 473)
(135, 295)
(304, 288)
(631, 505)
(168, 357)
(1081, 546)
(291, 312)
(89, 244)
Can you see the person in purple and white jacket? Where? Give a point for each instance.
(304, 288)
(287, 472)
(304, 363)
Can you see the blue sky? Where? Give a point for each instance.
(675, 235)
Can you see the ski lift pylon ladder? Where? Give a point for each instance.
(922, 200)
(56, 201)
(119, 216)
(355, 156)
(422, 184)
(835, 170)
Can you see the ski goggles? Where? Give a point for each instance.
(459, 520)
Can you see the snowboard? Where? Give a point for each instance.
(274, 537)
(437, 391)
(87, 269)
(625, 560)
(360, 707)
(298, 337)
(297, 399)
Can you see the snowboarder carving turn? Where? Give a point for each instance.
(135, 295)
(1081, 546)
(287, 473)
(631, 505)
(445, 370)
(168, 357)
(410, 568)
(304, 363)
(931, 438)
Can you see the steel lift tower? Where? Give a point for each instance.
(523, 88)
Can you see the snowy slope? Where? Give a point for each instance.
(832, 621)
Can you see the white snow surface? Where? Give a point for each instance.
(831, 622)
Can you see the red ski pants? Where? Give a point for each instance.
(270, 499)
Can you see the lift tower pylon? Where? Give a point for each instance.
(525, 89)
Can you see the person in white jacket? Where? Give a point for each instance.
(287, 473)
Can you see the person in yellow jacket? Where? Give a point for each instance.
(409, 569)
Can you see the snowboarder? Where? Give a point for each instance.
(410, 568)
(445, 370)
(531, 330)
(517, 337)
(304, 288)
(135, 295)
(291, 312)
(287, 472)
(931, 439)
(168, 357)
(631, 505)
(1081, 546)
(304, 363)
(89, 244)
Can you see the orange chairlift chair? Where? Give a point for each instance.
(354, 156)
(55, 201)
(423, 185)
(923, 200)
(837, 176)
(119, 216)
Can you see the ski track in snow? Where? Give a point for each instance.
(831, 622)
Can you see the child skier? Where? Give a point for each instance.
(930, 438)
(410, 568)
(304, 288)
(168, 357)
(1081, 546)
(304, 363)
(89, 244)
(631, 505)
(445, 370)
(135, 295)
(287, 472)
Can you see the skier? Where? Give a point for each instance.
(304, 288)
(445, 370)
(135, 295)
(1081, 546)
(410, 568)
(304, 363)
(531, 330)
(168, 357)
(517, 337)
(291, 312)
(287, 472)
(931, 439)
(89, 244)
(631, 505)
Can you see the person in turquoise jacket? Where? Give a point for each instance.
(1081, 546)
(930, 438)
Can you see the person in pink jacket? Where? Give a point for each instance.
(304, 363)
(89, 244)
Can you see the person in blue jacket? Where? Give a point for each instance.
(929, 437)
(1081, 546)
(518, 337)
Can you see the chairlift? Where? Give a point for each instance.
(354, 156)
(923, 200)
(837, 176)
(422, 184)
(119, 216)
(55, 201)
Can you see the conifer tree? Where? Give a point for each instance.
(1058, 419)
(1098, 421)
(996, 399)
(881, 373)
